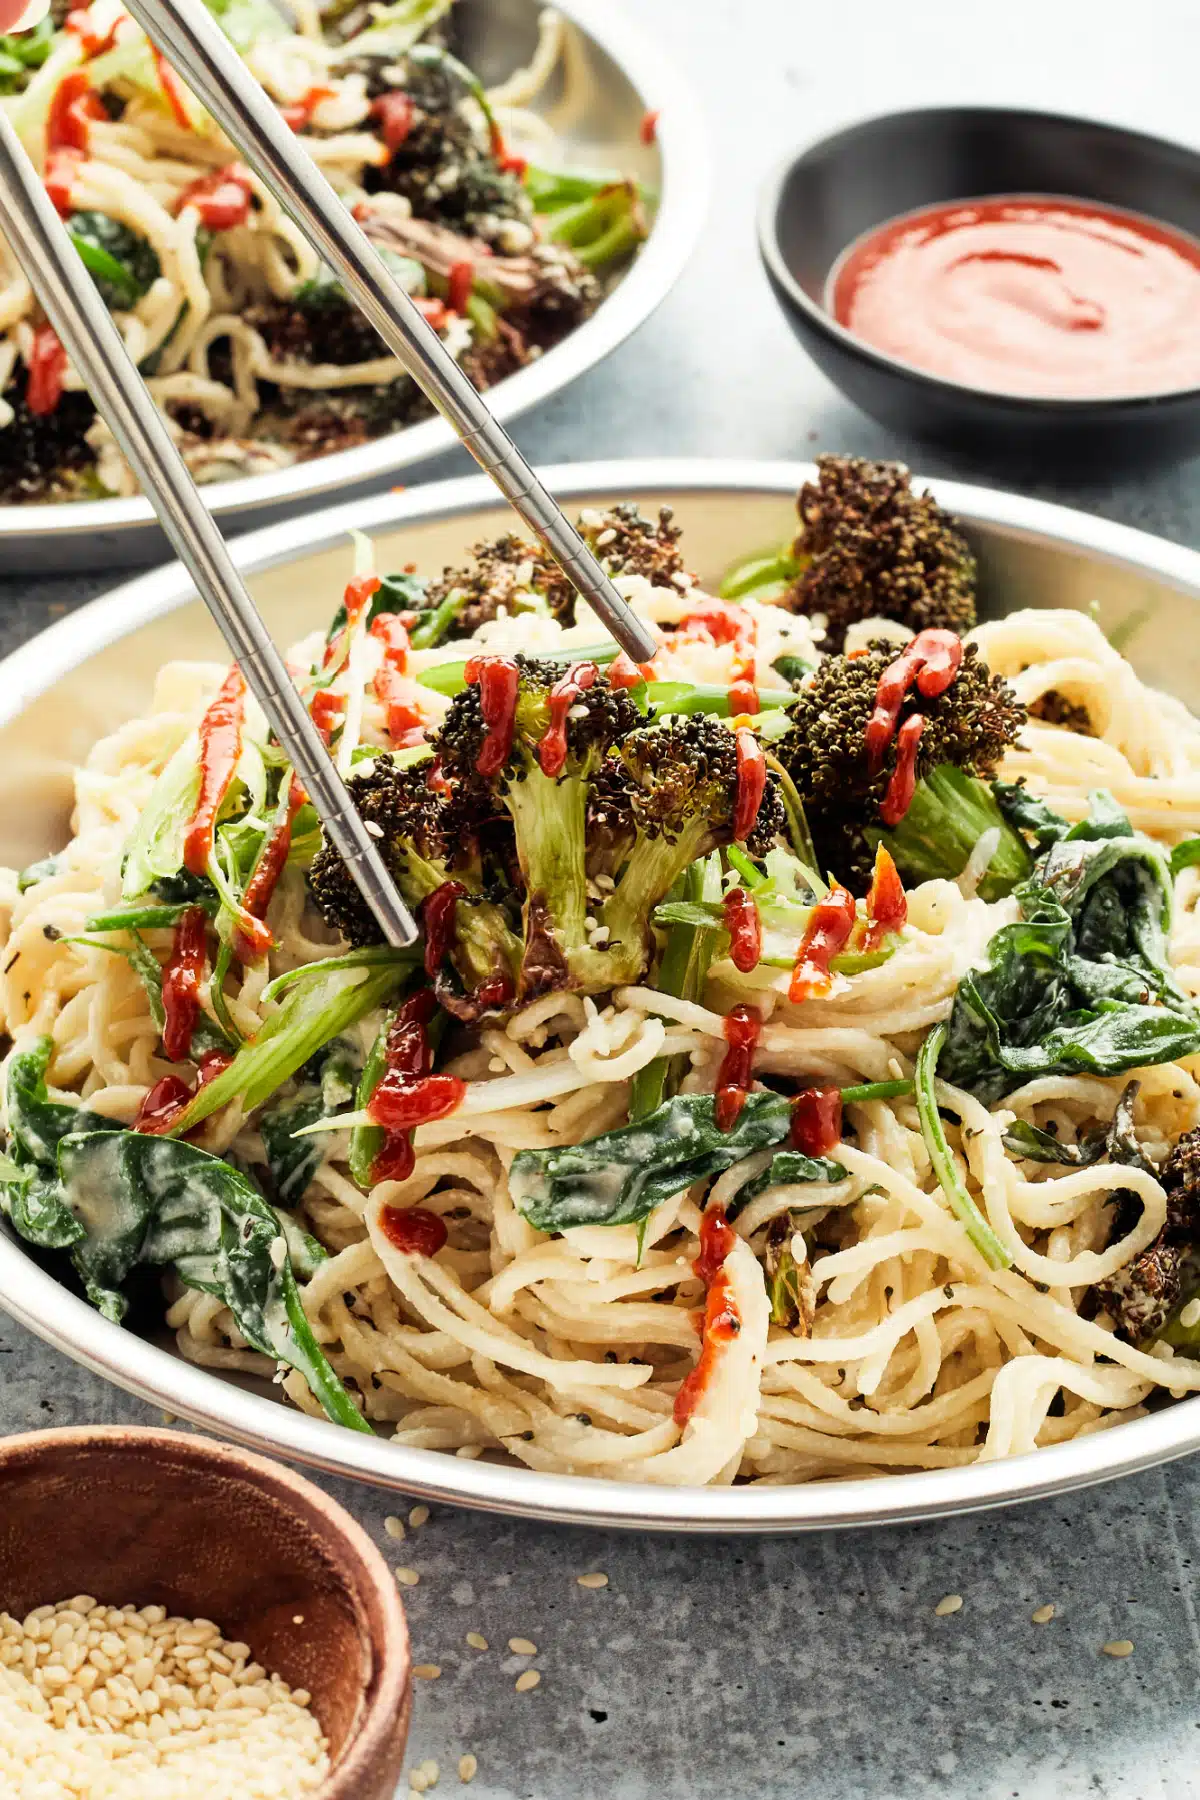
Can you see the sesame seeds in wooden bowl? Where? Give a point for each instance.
(174, 1538)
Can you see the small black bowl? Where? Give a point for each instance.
(835, 190)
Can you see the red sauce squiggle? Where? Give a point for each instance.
(816, 1121)
(742, 1029)
(220, 747)
(299, 115)
(79, 24)
(254, 938)
(221, 199)
(409, 1095)
(827, 932)
(75, 103)
(552, 750)
(887, 903)
(62, 166)
(745, 929)
(623, 672)
(459, 283)
(395, 115)
(172, 89)
(931, 660)
(903, 783)
(751, 783)
(47, 372)
(181, 984)
(437, 916)
(393, 688)
(413, 1229)
(168, 1098)
(499, 680)
(721, 1321)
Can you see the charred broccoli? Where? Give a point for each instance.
(527, 738)
(871, 548)
(668, 796)
(1142, 1296)
(513, 575)
(427, 840)
(965, 732)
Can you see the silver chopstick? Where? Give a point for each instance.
(188, 35)
(41, 246)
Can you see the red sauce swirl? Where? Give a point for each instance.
(742, 1029)
(1029, 295)
(721, 1322)
(220, 747)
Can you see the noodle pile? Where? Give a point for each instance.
(566, 1352)
(206, 363)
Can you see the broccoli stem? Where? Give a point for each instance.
(550, 821)
(653, 867)
(944, 1165)
(682, 972)
(949, 813)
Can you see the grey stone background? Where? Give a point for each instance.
(721, 1670)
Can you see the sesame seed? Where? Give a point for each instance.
(1043, 1615)
(407, 1577)
(477, 1640)
(951, 1604)
(297, 1618)
(592, 1581)
(1118, 1647)
(468, 1767)
(531, 1677)
(418, 1516)
(1190, 1314)
(430, 1771)
(522, 1646)
(394, 1526)
(426, 1671)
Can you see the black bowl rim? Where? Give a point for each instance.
(1019, 405)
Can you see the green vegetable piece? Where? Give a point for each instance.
(38, 871)
(1036, 1145)
(294, 1160)
(877, 1090)
(156, 846)
(682, 972)
(944, 1166)
(785, 1167)
(450, 678)
(706, 697)
(145, 1199)
(123, 264)
(21, 52)
(620, 1177)
(949, 813)
(248, 22)
(366, 1141)
(1082, 981)
(1026, 812)
(36, 1124)
(785, 1277)
(1185, 855)
(551, 189)
(314, 1013)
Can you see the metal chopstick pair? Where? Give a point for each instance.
(197, 46)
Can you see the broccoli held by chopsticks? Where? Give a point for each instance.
(670, 795)
(568, 819)
(433, 845)
(893, 747)
(511, 575)
(871, 548)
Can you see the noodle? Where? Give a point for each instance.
(567, 1353)
(249, 349)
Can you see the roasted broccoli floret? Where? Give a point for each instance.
(1142, 1296)
(966, 731)
(513, 575)
(871, 548)
(667, 796)
(527, 739)
(427, 839)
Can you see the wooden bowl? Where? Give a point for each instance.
(157, 1518)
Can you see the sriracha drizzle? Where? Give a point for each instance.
(828, 929)
(816, 1121)
(408, 1094)
(413, 1229)
(741, 1029)
(744, 926)
(220, 747)
(721, 1321)
(552, 750)
(498, 679)
(181, 984)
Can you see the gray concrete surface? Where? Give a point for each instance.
(723, 1670)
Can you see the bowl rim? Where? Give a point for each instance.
(682, 143)
(1064, 408)
(65, 1320)
(388, 1691)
